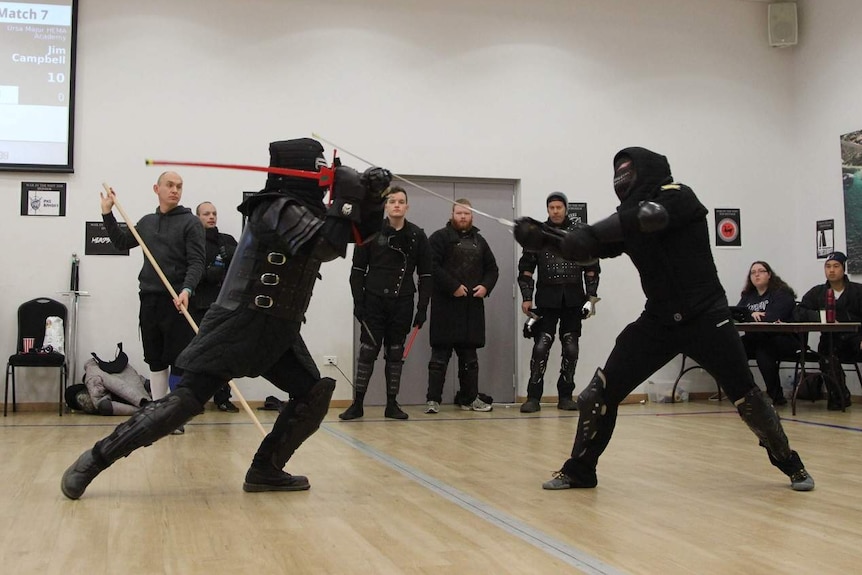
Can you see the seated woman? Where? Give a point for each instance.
(769, 299)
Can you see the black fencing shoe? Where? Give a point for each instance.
(227, 406)
(79, 475)
(567, 404)
(355, 411)
(393, 411)
(531, 406)
(260, 480)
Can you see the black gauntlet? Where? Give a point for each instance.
(526, 284)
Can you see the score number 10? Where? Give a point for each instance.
(58, 78)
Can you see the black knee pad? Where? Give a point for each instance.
(542, 347)
(299, 419)
(571, 349)
(470, 364)
(367, 353)
(394, 353)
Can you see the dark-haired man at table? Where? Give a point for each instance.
(846, 347)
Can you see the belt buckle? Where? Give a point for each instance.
(276, 258)
(269, 279)
(263, 301)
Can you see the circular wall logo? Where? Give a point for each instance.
(728, 230)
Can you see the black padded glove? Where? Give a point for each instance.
(419, 319)
(376, 181)
(347, 194)
(528, 233)
(579, 245)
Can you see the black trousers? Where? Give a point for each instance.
(468, 372)
(223, 393)
(646, 345)
(246, 343)
(389, 320)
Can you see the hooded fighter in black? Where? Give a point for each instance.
(662, 226)
(253, 328)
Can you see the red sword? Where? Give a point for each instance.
(325, 176)
(410, 343)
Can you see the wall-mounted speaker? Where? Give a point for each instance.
(783, 27)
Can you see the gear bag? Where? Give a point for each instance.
(810, 387)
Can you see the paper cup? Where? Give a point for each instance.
(822, 316)
(27, 344)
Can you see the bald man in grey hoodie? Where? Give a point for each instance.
(175, 237)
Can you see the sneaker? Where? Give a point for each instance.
(559, 481)
(179, 431)
(531, 406)
(355, 411)
(227, 406)
(477, 405)
(432, 407)
(567, 404)
(584, 479)
(258, 481)
(801, 481)
(393, 411)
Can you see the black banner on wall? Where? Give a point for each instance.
(577, 212)
(97, 242)
(728, 228)
(825, 238)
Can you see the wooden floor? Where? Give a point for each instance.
(683, 488)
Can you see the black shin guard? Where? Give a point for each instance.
(763, 420)
(538, 365)
(571, 351)
(595, 427)
(150, 423)
(365, 367)
(297, 422)
(393, 367)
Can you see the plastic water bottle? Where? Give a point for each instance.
(830, 306)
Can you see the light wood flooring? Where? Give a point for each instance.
(683, 488)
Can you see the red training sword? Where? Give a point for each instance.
(410, 343)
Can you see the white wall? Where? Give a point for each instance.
(544, 92)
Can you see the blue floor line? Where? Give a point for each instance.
(559, 549)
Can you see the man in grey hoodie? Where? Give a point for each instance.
(175, 237)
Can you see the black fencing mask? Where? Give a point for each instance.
(117, 365)
(624, 177)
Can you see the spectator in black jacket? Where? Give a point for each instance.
(662, 226)
(846, 347)
(219, 253)
(465, 272)
(768, 298)
(383, 291)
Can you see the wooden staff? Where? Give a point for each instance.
(173, 293)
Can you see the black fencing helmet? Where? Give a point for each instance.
(300, 154)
